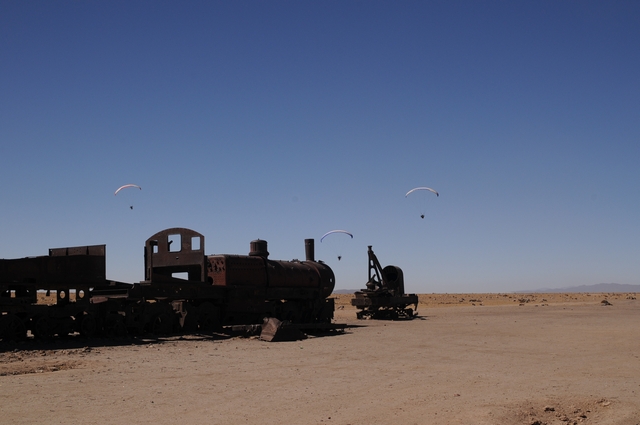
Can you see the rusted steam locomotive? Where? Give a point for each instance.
(184, 290)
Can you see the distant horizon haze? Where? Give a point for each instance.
(597, 288)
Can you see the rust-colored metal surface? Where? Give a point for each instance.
(175, 251)
(184, 290)
(384, 297)
(70, 274)
(84, 265)
(256, 269)
(274, 330)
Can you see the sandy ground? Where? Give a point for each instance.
(468, 359)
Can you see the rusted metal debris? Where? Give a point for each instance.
(276, 330)
(384, 296)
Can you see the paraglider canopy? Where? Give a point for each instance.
(335, 231)
(421, 188)
(126, 186)
(339, 246)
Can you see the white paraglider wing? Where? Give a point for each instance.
(421, 199)
(421, 188)
(126, 186)
(336, 245)
(335, 231)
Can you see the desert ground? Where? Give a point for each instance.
(467, 359)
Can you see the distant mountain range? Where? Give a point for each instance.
(599, 287)
(346, 291)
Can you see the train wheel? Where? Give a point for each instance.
(189, 319)
(12, 328)
(208, 317)
(42, 328)
(209, 322)
(88, 325)
(116, 328)
(162, 324)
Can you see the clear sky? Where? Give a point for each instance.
(282, 120)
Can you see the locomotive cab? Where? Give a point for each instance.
(175, 253)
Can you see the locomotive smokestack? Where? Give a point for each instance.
(258, 248)
(309, 249)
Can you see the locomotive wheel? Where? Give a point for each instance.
(209, 322)
(12, 328)
(189, 320)
(42, 328)
(162, 324)
(88, 326)
(116, 328)
(208, 317)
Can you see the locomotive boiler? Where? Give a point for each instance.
(230, 289)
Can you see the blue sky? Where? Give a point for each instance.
(284, 120)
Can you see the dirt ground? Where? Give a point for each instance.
(467, 359)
